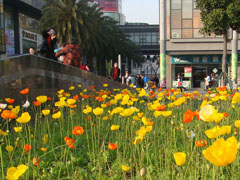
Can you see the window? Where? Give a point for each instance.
(176, 33)
(187, 33)
(187, 23)
(187, 9)
(176, 19)
(176, 4)
(197, 34)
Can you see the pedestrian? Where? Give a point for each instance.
(126, 78)
(88, 68)
(31, 51)
(141, 81)
(145, 79)
(115, 72)
(72, 53)
(49, 44)
(180, 82)
(207, 81)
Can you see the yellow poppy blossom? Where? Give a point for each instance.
(24, 118)
(57, 115)
(42, 99)
(180, 158)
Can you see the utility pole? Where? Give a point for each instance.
(234, 58)
(162, 23)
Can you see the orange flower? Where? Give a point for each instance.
(196, 113)
(10, 101)
(69, 142)
(49, 98)
(201, 143)
(160, 89)
(75, 97)
(36, 161)
(100, 99)
(225, 114)
(188, 116)
(24, 91)
(36, 103)
(112, 146)
(161, 108)
(92, 87)
(154, 86)
(27, 147)
(78, 130)
(108, 104)
(172, 91)
(7, 114)
(85, 96)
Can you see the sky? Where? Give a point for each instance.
(142, 11)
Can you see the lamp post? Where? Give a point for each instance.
(234, 57)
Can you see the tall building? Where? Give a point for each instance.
(20, 25)
(113, 9)
(187, 49)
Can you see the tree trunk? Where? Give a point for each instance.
(224, 58)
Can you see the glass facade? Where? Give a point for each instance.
(185, 20)
(29, 24)
(9, 32)
(2, 32)
(35, 3)
(144, 38)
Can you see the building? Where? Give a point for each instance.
(187, 50)
(20, 29)
(113, 9)
(146, 37)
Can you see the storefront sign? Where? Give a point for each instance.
(187, 71)
(210, 59)
(29, 36)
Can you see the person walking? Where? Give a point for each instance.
(115, 72)
(180, 82)
(49, 44)
(207, 81)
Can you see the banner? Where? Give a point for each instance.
(108, 5)
(187, 71)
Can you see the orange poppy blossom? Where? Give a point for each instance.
(75, 97)
(92, 87)
(201, 143)
(225, 114)
(159, 89)
(188, 116)
(10, 101)
(78, 130)
(27, 147)
(154, 87)
(36, 161)
(112, 146)
(24, 91)
(7, 114)
(49, 98)
(85, 96)
(36, 103)
(100, 99)
(161, 108)
(69, 142)
(108, 104)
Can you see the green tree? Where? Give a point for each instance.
(218, 16)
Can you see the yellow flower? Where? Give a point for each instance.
(105, 118)
(18, 129)
(131, 85)
(137, 139)
(71, 101)
(166, 113)
(105, 85)
(45, 139)
(236, 98)
(46, 112)
(61, 91)
(127, 112)
(115, 127)
(179, 101)
(208, 113)
(98, 111)
(79, 85)
(43, 149)
(218, 131)
(180, 158)
(57, 115)
(13, 173)
(42, 99)
(135, 118)
(71, 88)
(60, 103)
(221, 152)
(117, 110)
(142, 93)
(140, 115)
(103, 105)
(149, 128)
(9, 148)
(237, 124)
(24, 118)
(85, 90)
(87, 110)
(2, 133)
(157, 113)
(126, 168)
(147, 122)
(15, 110)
